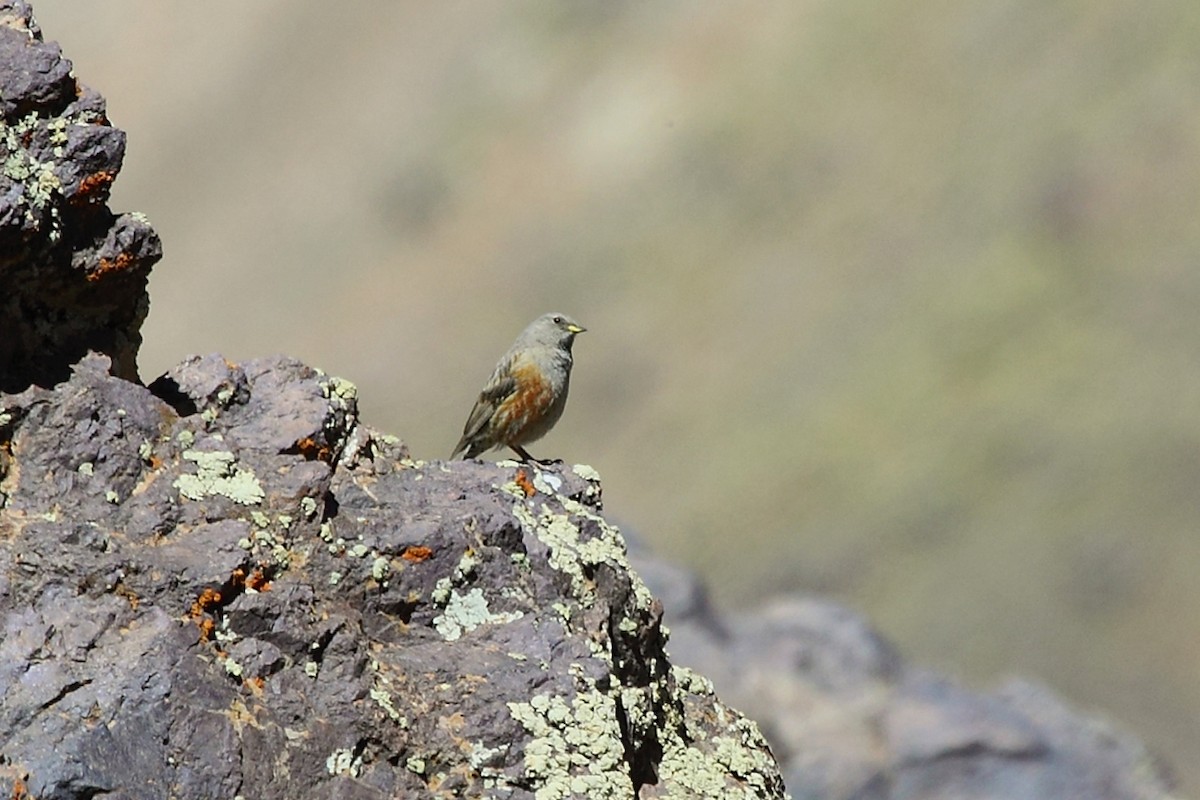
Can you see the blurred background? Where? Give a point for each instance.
(891, 301)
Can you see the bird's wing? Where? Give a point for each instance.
(499, 387)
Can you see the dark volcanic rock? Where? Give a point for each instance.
(225, 586)
(74, 274)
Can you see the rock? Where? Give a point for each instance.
(224, 585)
(74, 273)
(850, 720)
(238, 589)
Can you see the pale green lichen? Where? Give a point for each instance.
(516, 593)
(563, 610)
(263, 539)
(308, 507)
(586, 472)
(692, 682)
(185, 438)
(311, 668)
(146, 451)
(466, 567)
(384, 700)
(335, 578)
(576, 747)
(224, 634)
(512, 488)
(58, 130)
(481, 756)
(37, 181)
(638, 703)
(112, 497)
(570, 553)
(748, 756)
(461, 573)
(218, 473)
(341, 393)
(441, 591)
(465, 613)
(380, 569)
(343, 762)
(86, 468)
(738, 766)
(415, 765)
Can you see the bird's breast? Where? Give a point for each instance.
(530, 401)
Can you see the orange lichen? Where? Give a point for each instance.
(311, 449)
(206, 626)
(94, 187)
(526, 485)
(258, 581)
(416, 553)
(209, 598)
(107, 265)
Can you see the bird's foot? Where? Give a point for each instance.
(528, 459)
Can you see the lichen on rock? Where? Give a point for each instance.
(74, 272)
(501, 643)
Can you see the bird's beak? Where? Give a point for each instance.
(576, 328)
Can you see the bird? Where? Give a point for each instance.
(527, 392)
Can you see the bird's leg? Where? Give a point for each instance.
(528, 459)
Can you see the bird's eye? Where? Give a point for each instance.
(558, 320)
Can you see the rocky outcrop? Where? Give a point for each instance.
(73, 273)
(850, 720)
(224, 585)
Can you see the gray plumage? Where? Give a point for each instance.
(527, 391)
